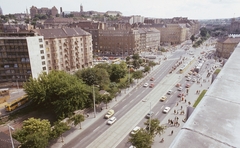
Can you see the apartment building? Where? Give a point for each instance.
(118, 42)
(46, 11)
(152, 39)
(226, 46)
(67, 49)
(21, 56)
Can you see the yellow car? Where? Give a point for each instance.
(163, 98)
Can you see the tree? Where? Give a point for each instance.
(58, 129)
(136, 64)
(146, 69)
(94, 76)
(203, 32)
(155, 127)
(57, 91)
(141, 139)
(192, 38)
(35, 133)
(136, 56)
(118, 71)
(137, 74)
(77, 119)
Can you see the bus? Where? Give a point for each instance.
(4, 95)
(16, 103)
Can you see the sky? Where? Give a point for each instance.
(193, 9)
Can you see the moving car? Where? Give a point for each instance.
(169, 92)
(111, 120)
(109, 114)
(187, 85)
(163, 98)
(135, 130)
(145, 85)
(151, 79)
(150, 114)
(180, 88)
(194, 80)
(151, 85)
(166, 109)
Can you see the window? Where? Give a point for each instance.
(40, 40)
(49, 68)
(44, 68)
(48, 55)
(42, 57)
(42, 51)
(43, 62)
(41, 45)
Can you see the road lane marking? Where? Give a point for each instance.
(166, 101)
(157, 113)
(162, 107)
(96, 129)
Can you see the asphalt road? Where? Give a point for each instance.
(134, 97)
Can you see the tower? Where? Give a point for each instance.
(1, 13)
(81, 8)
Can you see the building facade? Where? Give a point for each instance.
(67, 49)
(226, 46)
(21, 56)
(44, 11)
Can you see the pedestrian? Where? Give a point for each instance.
(181, 107)
(171, 132)
(174, 111)
(185, 100)
(177, 104)
(87, 114)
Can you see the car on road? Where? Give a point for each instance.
(169, 92)
(109, 114)
(163, 98)
(151, 79)
(180, 88)
(178, 84)
(166, 109)
(150, 114)
(145, 85)
(194, 80)
(151, 85)
(131, 146)
(188, 79)
(187, 85)
(180, 94)
(135, 130)
(111, 120)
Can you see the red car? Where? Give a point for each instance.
(187, 85)
(151, 85)
(152, 79)
(180, 95)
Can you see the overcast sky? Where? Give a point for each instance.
(193, 9)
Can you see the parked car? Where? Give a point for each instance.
(180, 94)
(135, 130)
(151, 79)
(187, 85)
(178, 84)
(112, 120)
(188, 79)
(166, 109)
(150, 114)
(145, 85)
(163, 98)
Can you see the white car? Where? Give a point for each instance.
(135, 130)
(179, 88)
(169, 92)
(194, 79)
(166, 109)
(145, 85)
(111, 120)
(188, 79)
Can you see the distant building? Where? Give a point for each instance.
(234, 27)
(1, 13)
(114, 13)
(44, 11)
(225, 46)
(57, 22)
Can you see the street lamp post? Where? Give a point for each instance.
(9, 129)
(17, 84)
(94, 108)
(150, 119)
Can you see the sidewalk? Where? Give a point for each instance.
(69, 135)
(191, 97)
